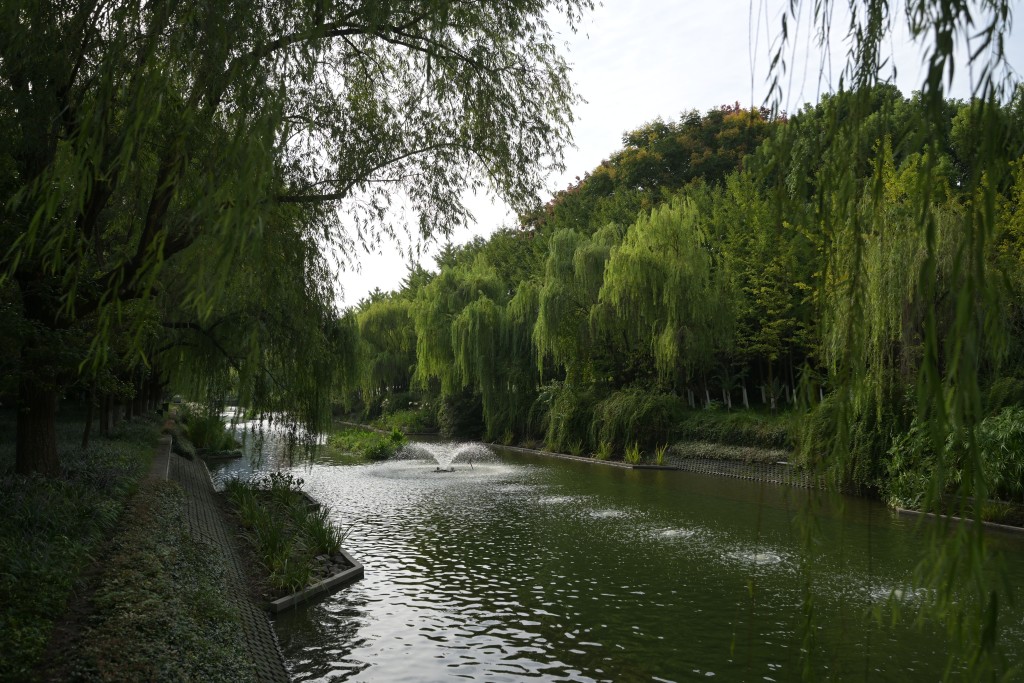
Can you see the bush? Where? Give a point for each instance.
(410, 421)
(738, 428)
(638, 417)
(565, 414)
(1001, 443)
(461, 416)
(1004, 392)
(367, 443)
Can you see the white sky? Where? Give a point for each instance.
(637, 60)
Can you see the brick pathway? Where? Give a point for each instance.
(206, 522)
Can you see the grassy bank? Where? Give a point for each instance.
(52, 530)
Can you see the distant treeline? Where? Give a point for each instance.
(726, 261)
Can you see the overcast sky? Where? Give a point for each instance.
(637, 60)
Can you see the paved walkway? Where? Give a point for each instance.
(206, 522)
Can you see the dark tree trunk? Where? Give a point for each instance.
(129, 409)
(89, 414)
(116, 414)
(36, 446)
(139, 402)
(106, 414)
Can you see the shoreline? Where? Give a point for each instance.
(769, 471)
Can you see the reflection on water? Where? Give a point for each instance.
(519, 567)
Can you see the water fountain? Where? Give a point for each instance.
(446, 453)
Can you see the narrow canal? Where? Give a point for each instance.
(522, 567)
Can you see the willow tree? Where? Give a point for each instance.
(471, 335)
(563, 334)
(387, 347)
(139, 129)
(667, 283)
(948, 385)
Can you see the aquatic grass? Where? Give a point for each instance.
(210, 432)
(659, 454)
(323, 536)
(287, 531)
(604, 451)
(633, 455)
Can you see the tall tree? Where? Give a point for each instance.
(141, 128)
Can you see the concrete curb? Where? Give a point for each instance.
(960, 520)
(579, 458)
(353, 573)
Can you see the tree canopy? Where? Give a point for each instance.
(210, 133)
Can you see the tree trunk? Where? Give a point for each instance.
(36, 443)
(746, 402)
(90, 412)
(129, 409)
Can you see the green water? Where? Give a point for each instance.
(526, 568)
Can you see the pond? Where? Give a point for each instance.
(518, 567)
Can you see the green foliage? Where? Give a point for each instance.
(565, 416)
(633, 455)
(285, 529)
(367, 443)
(738, 428)
(638, 417)
(410, 421)
(666, 283)
(209, 431)
(460, 415)
(1004, 392)
(659, 454)
(1001, 442)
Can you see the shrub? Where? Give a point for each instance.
(566, 413)
(210, 432)
(461, 415)
(738, 428)
(633, 455)
(636, 416)
(367, 443)
(1004, 392)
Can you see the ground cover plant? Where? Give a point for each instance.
(52, 529)
(294, 538)
(163, 609)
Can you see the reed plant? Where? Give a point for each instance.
(659, 454)
(633, 455)
(604, 451)
(286, 530)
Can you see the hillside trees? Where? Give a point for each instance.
(140, 130)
